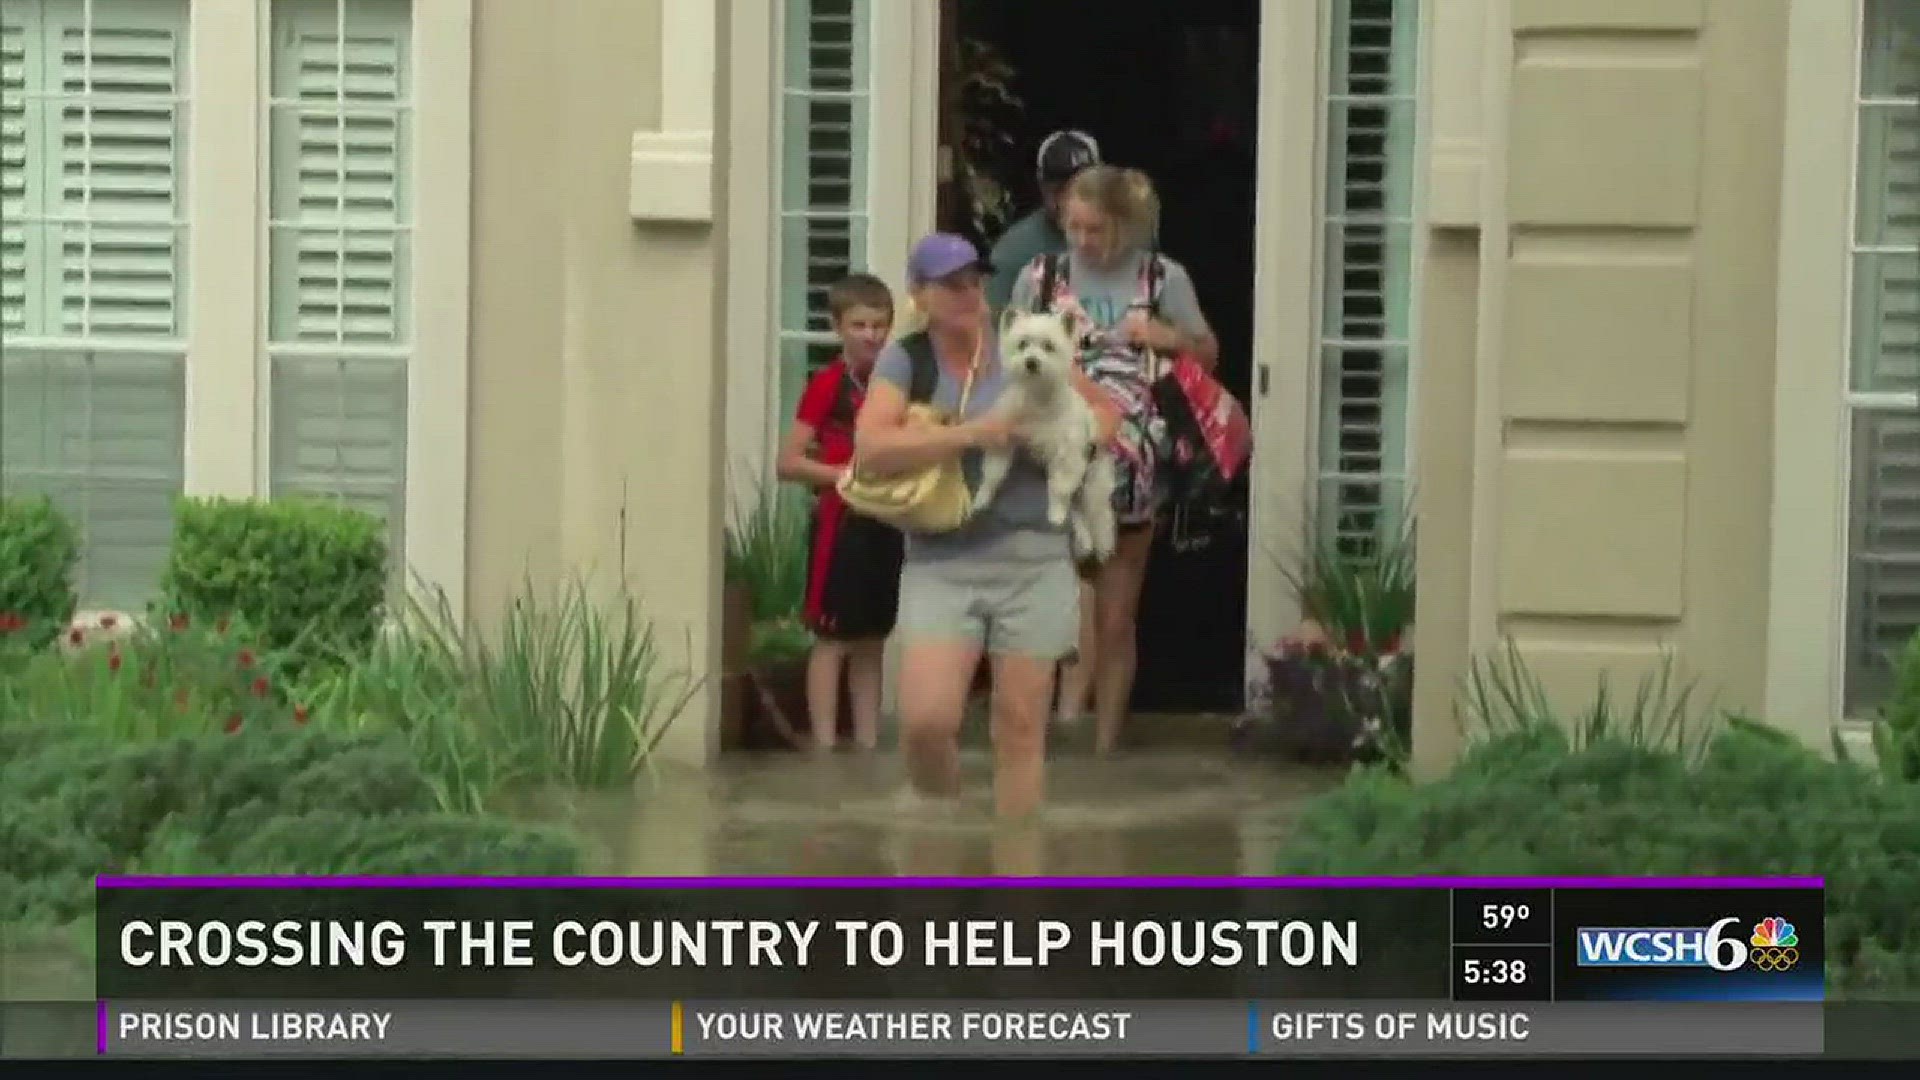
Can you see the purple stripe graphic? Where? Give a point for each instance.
(457, 882)
(100, 1040)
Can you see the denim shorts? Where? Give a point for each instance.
(1003, 606)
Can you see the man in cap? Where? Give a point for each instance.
(1062, 156)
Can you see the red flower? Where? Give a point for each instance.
(114, 660)
(299, 714)
(108, 622)
(233, 723)
(246, 658)
(178, 622)
(9, 622)
(260, 686)
(75, 637)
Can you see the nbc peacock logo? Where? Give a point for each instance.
(1775, 945)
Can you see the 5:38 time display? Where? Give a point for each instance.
(1502, 973)
(1499, 971)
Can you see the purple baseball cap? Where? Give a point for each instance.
(940, 254)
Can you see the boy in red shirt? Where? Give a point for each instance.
(853, 579)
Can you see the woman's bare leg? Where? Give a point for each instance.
(1022, 689)
(824, 665)
(1117, 609)
(934, 680)
(1076, 675)
(865, 660)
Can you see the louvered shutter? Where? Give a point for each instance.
(119, 167)
(92, 155)
(338, 318)
(14, 37)
(1367, 269)
(823, 176)
(1883, 571)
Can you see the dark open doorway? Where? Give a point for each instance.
(1170, 88)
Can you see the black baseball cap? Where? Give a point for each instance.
(1065, 153)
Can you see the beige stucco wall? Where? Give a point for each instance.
(1596, 400)
(595, 424)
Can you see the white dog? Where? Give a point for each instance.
(1057, 427)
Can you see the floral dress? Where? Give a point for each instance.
(1127, 373)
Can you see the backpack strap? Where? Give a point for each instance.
(843, 411)
(925, 377)
(1052, 270)
(1152, 277)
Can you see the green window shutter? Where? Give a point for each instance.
(15, 34)
(92, 276)
(825, 90)
(1367, 268)
(339, 204)
(1883, 558)
(119, 167)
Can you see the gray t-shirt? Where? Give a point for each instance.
(1024, 241)
(1014, 525)
(1105, 294)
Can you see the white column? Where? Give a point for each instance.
(673, 167)
(1286, 253)
(226, 100)
(437, 396)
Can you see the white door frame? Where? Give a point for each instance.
(903, 163)
(1288, 250)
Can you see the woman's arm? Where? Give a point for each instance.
(794, 465)
(886, 443)
(1183, 327)
(1199, 344)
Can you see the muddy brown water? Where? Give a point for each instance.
(1161, 811)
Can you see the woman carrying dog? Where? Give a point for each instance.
(1000, 586)
(1134, 306)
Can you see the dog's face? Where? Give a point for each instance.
(1036, 347)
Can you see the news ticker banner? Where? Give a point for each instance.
(440, 948)
(1040, 1028)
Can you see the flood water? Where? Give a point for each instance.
(1159, 811)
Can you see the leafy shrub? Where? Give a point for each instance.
(1503, 697)
(1360, 595)
(147, 681)
(1325, 705)
(1537, 801)
(1896, 733)
(572, 688)
(282, 800)
(39, 549)
(766, 552)
(309, 574)
(333, 842)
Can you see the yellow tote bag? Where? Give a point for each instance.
(934, 499)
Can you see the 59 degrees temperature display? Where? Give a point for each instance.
(1502, 917)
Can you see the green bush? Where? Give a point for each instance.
(1896, 733)
(283, 799)
(1532, 801)
(572, 688)
(310, 575)
(766, 552)
(39, 549)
